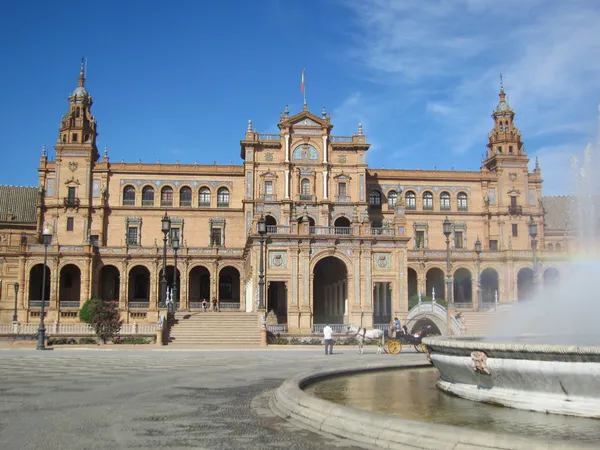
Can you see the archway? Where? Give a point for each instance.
(423, 322)
(270, 221)
(342, 222)
(35, 285)
(171, 284)
(199, 286)
(489, 285)
(229, 287)
(277, 300)
(70, 286)
(524, 284)
(330, 291)
(110, 283)
(412, 282)
(551, 277)
(139, 285)
(311, 221)
(434, 280)
(463, 286)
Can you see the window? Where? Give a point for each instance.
(77, 112)
(392, 199)
(500, 149)
(71, 195)
(558, 247)
(463, 205)
(132, 236)
(375, 199)
(550, 246)
(305, 189)
(166, 196)
(458, 240)
(129, 196)
(419, 239)
(74, 137)
(445, 201)
(493, 245)
(532, 200)
(515, 230)
(223, 198)
(428, 201)
(342, 190)
(216, 236)
(411, 200)
(492, 196)
(268, 188)
(204, 197)
(70, 223)
(185, 197)
(94, 240)
(510, 149)
(148, 196)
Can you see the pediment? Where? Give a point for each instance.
(306, 122)
(268, 174)
(342, 176)
(514, 192)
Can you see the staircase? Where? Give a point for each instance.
(214, 328)
(480, 323)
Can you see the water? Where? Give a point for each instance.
(411, 394)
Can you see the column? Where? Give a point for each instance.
(325, 184)
(214, 283)
(183, 287)
(325, 149)
(124, 285)
(287, 184)
(154, 287)
(54, 283)
(287, 148)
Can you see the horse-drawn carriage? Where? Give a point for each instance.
(397, 338)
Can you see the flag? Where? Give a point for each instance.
(302, 85)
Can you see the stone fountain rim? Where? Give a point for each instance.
(476, 342)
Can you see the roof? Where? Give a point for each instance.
(20, 201)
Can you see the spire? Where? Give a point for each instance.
(537, 164)
(249, 129)
(360, 130)
(501, 84)
(287, 111)
(81, 80)
(503, 106)
(44, 150)
(324, 113)
(105, 151)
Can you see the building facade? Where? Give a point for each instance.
(345, 243)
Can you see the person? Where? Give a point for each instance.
(214, 304)
(204, 305)
(397, 327)
(327, 332)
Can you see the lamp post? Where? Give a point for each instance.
(165, 227)
(175, 247)
(46, 240)
(479, 293)
(447, 229)
(533, 234)
(261, 227)
(15, 316)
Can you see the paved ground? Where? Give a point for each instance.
(211, 399)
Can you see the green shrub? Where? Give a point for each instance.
(414, 301)
(87, 340)
(133, 340)
(85, 313)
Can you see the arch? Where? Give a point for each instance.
(229, 284)
(69, 289)
(185, 196)
(423, 321)
(557, 247)
(434, 279)
(445, 201)
(412, 283)
(170, 282)
(139, 285)
(199, 284)
(109, 283)
(462, 201)
(392, 198)
(551, 277)
(311, 221)
(204, 197)
(36, 274)
(148, 196)
(490, 282)
(223, 197)
(375, 199)
(410, 200)
(270, 221)
(330, 290)
(129, 195)
(524, 284)
(166, 196)
(305, 152)
(428, 200)
(342, 222)
(463, 286)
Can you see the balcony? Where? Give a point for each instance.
(515, 210)
(306, 198)
(375, 206)
(463, 208)
(382, 232)
(222, 204)
(343, 199)
(147, 202)
(204, 204)
(166, 203)
(71, 202)
(69, 304)
(331, 231)
(270, 197)
(185, 203)
(410, 207)
(278, 229)
(128, 202)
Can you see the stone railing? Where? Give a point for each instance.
(463, 305)
(229, 305)
(382, 232)
(344, 231)
(66, 329)
(279, 328)
(69, 304)
(269, 137)
(38, 303)
(138, 305)
(340, 138)
(336, 327)
(278, 229)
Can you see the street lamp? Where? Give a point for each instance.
(175, 247)
(447, 229)
(478, 253)
(165, 227)
(46, 240)
(15, 317)
(261, 227)
(533, 234)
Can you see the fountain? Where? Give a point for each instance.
(545, 355)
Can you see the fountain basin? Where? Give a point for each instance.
(558, 379)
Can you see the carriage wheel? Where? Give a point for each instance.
(395, 347)
(419, 348)
(386, 346)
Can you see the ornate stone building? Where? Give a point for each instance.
(345, 243)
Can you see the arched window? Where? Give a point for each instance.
(77, 113)
(223, 198)
(558, 247)
(148, 196)
(463, 204)
(392, 198)
(305, 189)
(428, 200)
(166, 196)
(550, 246)
(445, 201)
(375, 199)
(204, 197)
(411, 200)
(129, 196)
(185, 196)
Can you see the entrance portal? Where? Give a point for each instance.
(277, 300)
(330, 291)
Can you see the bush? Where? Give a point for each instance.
(85, 313)
(134, 340)
(414, 301)
(105, 319)
(87, 340)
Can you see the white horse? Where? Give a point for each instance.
(362, 334)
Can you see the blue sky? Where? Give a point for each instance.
(178, 81)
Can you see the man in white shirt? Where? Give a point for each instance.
(327, 332)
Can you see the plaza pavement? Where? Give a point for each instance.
(175, 398)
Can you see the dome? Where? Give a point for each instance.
(80, 91)
(503, 107)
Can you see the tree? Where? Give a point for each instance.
(85, 314)
(103, 316)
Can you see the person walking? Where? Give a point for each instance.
(214, 305)
(327, 332)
